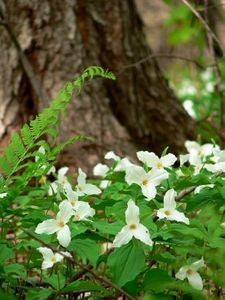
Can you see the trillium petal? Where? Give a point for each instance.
(157, 176)
(142, 234)
(47, 264)
(58, 257)
(191, 145)
(104, 184)
(148, 158)
(161, 213)
(182, 273)
(64, 236)
(91, 189)
(83, 211)
(168, 160)
(65, 212)
(81, 179)
(123, 164)
(132, 213)
(178, 216)
(135, 174)
(62, 172)
(207, 149)
(195, 280)
(183, 158)
(53, 187)
(149, 191)
(123, 237)
(48, 227)
(100, 170)
(169, 199)
(198, 264)
(200, 187)
(112, 155)
(195, 159)
(46, 252)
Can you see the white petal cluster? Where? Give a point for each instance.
(133, 228)
(169, 211)
(148, 181)
(190, 272)
(50, 258)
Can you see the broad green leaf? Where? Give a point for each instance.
(86, 249)
(38, 294)
(5, 253)
(157, 280)
(126, 262)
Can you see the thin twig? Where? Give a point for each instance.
(163, 55)
(204, 23)
(216, 69)
(86, 268)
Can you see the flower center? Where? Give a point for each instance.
(167, 212)
(77, 217)
(133, 226)
(189, 272)
(145, 181)
(53, 259)
(159, 165)
(61, 224)
(73, 202)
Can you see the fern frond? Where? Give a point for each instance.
(21, 143)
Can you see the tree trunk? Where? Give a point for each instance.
(60, 39)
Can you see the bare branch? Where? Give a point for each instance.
(86, 268)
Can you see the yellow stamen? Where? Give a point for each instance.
(189, 272)
(159, 165)
(167, 212)
(133, 226)
(61, 224)
(145, 181)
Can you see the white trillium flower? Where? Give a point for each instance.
(72, 197)
(153, 161)
(122, 163)
(101, 170)
(133, 228)
(84, 188)
(42, 151)
(50, 258)
(61, 181)
(146, 180)
(169, 211)
(58, 225)
(190, 272)
(202, 150)
(83, 211)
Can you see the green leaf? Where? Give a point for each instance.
(86, 249)
(15, 268)
(108, 228)
(57, 281)
(83, 286)
(5, 253)
(157, 280)
(126, 262)
(38, 294)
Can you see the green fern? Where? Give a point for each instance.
(21, 143)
